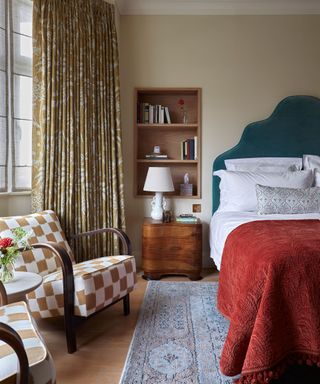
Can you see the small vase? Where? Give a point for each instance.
(6, 272)
(184, 117)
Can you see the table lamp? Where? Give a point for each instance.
(158, 180)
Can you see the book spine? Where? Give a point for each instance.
(151, 120)
(146, 113)
(166, 109)
(191, 149)
(188, 150)
(185, 150)
(195, 148)
(182, 150)
(162, 115)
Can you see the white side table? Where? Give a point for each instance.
(22, 283)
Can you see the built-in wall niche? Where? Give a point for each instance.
(168, 118)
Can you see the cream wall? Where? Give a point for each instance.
(244, 64)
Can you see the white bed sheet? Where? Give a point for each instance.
(222, 223)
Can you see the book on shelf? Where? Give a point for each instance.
(188, 149)
(168, 119)
(153, 114)
(156, 156)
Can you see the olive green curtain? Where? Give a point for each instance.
(77, 158)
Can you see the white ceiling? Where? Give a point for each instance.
(218, 7)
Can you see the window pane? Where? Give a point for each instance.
(3, 179)
(2, 14)
(22, 142)
(22, 178)
(22, 105)
(3, 94)
(22, 16)
(22, 55)
(2, 49)
(3, 140)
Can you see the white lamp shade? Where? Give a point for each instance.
(158, 180)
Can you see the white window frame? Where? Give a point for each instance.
(10, 73)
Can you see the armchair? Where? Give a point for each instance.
(75, 291)
(28, 359)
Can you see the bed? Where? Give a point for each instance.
(269, 270)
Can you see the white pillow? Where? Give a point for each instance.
(238, 189)
(311, 161)
(265, 164)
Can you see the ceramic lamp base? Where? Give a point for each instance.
(158, 204)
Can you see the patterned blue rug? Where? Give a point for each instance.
(178, 337)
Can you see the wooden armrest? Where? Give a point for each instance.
(11, 337)
(3, 295)
(122, 235)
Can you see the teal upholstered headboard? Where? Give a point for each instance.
(292, 130)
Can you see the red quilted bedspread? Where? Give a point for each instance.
(269, 289)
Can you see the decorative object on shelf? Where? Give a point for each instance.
(167, 216)
(157, 155)
(183, 111)
(158, 180)
(186, 188)
(10, 248)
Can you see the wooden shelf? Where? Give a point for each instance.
(168, 161)
(169, 126)
(169, 137)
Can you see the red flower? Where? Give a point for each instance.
(6, 243)
(181, 102)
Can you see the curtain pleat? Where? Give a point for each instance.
(77, 156)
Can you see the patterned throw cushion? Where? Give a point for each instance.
(44, 226)
(40, 362)
(98, 283)
(277, 200)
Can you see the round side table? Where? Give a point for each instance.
(22, 283)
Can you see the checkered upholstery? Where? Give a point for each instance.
(98, 283)
(44, 227)
(40, 362)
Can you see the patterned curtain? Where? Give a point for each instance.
(77, 158)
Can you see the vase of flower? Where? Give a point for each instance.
(10, 248)
(184, 113)
(7, 272)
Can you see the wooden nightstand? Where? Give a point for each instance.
(171, 248)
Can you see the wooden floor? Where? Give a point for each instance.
(103, 341)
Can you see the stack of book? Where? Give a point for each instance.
(189, 149)
(156, 156)
(153, 114)
(186, 218)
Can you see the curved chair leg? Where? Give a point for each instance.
(70, 334)
(126, 305)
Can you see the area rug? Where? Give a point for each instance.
(179, 336)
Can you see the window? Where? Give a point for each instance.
(15, 95)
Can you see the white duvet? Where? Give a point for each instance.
(222, 223)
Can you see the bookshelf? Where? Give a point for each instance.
(153, 129)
